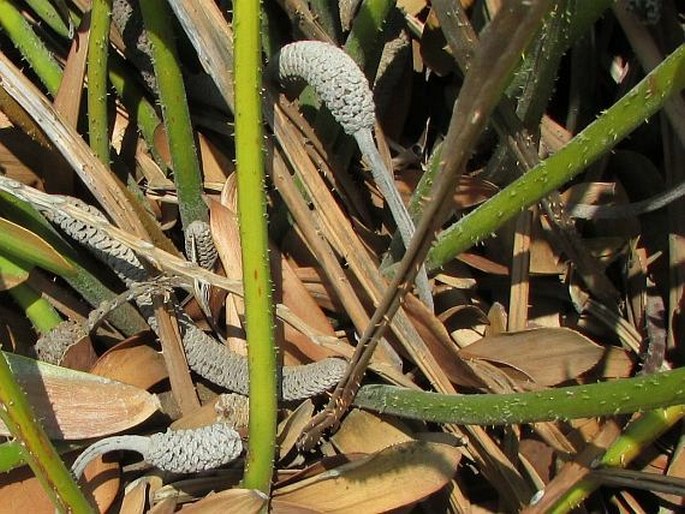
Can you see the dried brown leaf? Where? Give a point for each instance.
(135, 498)
(396, 476)
(547, 356)
(23, 492)
(133, 363)
(290, 291)
(166, 506)
(233, 500)
(76, 405)
(290, 429)
(216, 165)
(367, 432)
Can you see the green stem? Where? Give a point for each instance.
(254, 244)
(98, 50)
(364, 43)
(598, 138)
(328, 16)
(11, 456)
(37, 450)
(608, 398)
(640, 433)
(132, 96)
(30, 46)
(49, 13)
(187, 175)
(43, 316)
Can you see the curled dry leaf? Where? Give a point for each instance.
(135, 497)
(132, 363)
(396, 476)
(290, 429)
(567, 355)
(76, 405)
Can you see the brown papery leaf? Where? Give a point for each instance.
(547, 356)
(132, 363)
(135, 498)
(289, 429)
(367, 432)
(216, 165)
(233, 500)
(76, 405)
(396, 476)
(289, 290)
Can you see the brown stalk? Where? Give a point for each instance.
(520, 270)
(182, 386)
(342, 236)
(483, 86)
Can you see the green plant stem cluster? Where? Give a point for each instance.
(602, 135)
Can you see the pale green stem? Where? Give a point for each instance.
(11, 456)
(125, 318)
(639, 434)
(364, 43)
(585, 401)
(43, 316)
(49, 13)
(49, 72)
(30, 46)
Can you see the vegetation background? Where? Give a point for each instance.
(528, 146)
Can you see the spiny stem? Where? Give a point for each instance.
(364, 43)
(30, 46)
(187, 174)
(49, 72)
(55, 15)
(98, 50)
(262, 361)
(607, 398)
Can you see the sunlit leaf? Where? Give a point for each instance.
(76, 405)
(396, 476)
(18, 242)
